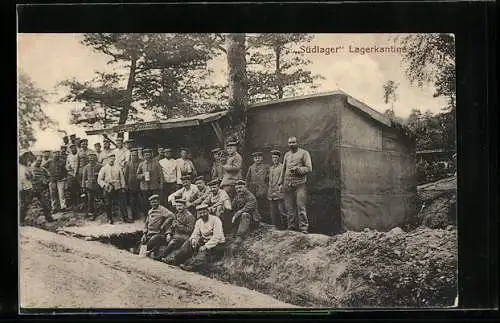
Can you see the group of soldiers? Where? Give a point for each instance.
(169, 192)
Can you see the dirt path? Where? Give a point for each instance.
(64, 272)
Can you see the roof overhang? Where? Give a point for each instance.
(168, 124)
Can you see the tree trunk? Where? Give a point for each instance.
(237, 90)
(277, 72)
(128, 95)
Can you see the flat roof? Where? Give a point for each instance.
(207, 117)
(167, 124)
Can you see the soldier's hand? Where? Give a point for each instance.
(203, 248)
(194, 243)
(168, 237)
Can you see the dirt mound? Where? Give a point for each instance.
(354, 269)
(438, 202)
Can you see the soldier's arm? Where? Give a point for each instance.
(306, 159)
(250, 204)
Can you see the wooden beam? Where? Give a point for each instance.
(218, 132)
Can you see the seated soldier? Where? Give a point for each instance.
(203, 190)
(206, 241)
(219, 203)
(188, 192)
(180, 230)
(246, 214)
(159, 219)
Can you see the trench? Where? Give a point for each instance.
(130, 243)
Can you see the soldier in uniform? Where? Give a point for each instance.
(274, 194)
(150, 175)
(135, 201)
(231, 168)
(257, 182)
(112, 181)
(185, 166)
(90, 185)
(217, 165)
(159, 218)
(169, 168)
(219, 204)
(246, 213)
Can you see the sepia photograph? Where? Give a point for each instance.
(237, 171)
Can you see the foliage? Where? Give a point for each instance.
(390, 95)
(30, 104)
(164, 73)
(433, 131)
(275, 69)
(430, 58)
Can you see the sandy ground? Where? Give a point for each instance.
(65, 272)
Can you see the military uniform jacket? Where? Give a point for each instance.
(131, 175)
(274, 178)
(89, 176)
(246, 202)
(182, 225)
(257, 179)
(232, 169)
(155, 175)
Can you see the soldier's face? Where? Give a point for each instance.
(111, 160)
(257, 159)
(186, 183)
(97, 147)
(180, 207)
(92, 158)
(106, 145)
(231, 149)
(200, 184)
(147, 156)
(84, 144)
(214, 189)
(239, 188)
(168, 154)
(276, 159)
(119, 143)
(183, 154)
(38, 162)
(202, 214)
(73, 149)
(154, 203)
(292, 143)
(46, 155)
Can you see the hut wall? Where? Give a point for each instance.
(377, 173)
(314, 122)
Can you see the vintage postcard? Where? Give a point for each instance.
(210, 171)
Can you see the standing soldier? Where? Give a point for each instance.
(72, 139)
(184, 166)
(65, 140)
(296, 165)
(257, 179)
(58, 173)
(106, 151)
(129, 144)
(98, 150)
(169, 168)
(150, 176)
(274, 194)
(72, 165)
(112, 181)
(159, 154)
(25, 185)
(134, 196)
(40, 182)
(231, 168)
(89, 183)
(45, 158)
(216, 172)
(63, 153)
(122, 154)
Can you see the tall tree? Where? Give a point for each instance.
(30, 111)
(430, 58)
(237, 88)
(163, 73)
(390, 95)
(275, 68)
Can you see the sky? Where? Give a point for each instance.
(51, 58)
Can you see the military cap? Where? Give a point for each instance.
(63, 147)
(46, 151)
(119, 139)
(185, 177)
(199, 178)
(276, 152)
(92, 154)
(257, 153)
(214, 182)
(84, 140)
(112, 155)
(215, 150)
(133, 150)
(184, 148)
(201, 207)
(241, 182)
(232, 143)
(154, 197)
(97, 143)
(167, 149)
(129, 140)
(72, 136)
(72, 145)
(106, 140)
(147, 150)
